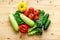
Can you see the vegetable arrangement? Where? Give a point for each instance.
(29, 20)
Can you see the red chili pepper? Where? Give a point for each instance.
(23, 28)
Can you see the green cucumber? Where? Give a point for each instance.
(27, 20)
(47, 24)
(13, 22)
(45, 18)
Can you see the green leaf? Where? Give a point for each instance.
(17, 17)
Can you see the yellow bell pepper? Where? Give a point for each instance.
(22, 6)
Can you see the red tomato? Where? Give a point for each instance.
(31, 10)
(36, 12)
(23, 28)
(31, 16)
(26, 13)
(36, 18)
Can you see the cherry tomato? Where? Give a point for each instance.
(36, 12)
(31, 16)
(31, 10)
(23, 28)
(26, 13)
(36, 18)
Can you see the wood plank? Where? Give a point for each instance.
(7, 32)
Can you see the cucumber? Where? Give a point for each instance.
(47, 24)
(45, 18)
(27, 20)
(13, 22)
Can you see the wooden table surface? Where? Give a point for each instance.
(10, 6)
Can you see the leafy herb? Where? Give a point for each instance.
(17, 17)
(42, 12)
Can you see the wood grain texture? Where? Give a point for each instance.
(10, 6)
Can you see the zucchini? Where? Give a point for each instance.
(27, 20)
(47, 24)
(13, 22)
